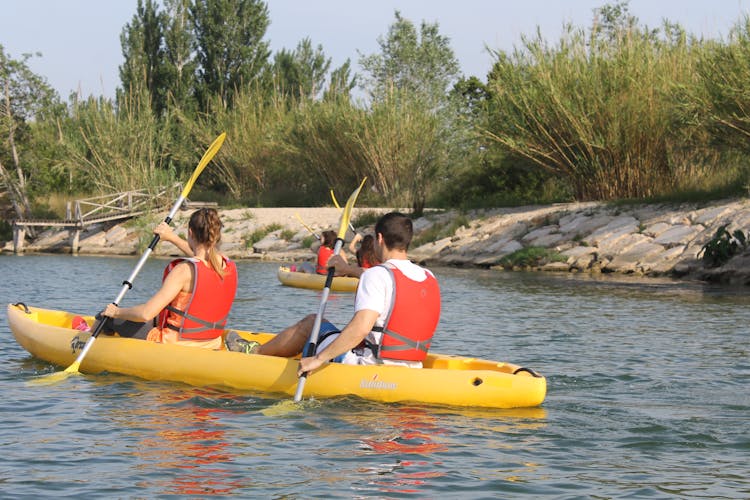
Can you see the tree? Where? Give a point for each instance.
(178, 51)
(420, 63)
(144, 68)
(301, 73)
(341, 82)
(230, 50)
(25, 97)
(411, 130)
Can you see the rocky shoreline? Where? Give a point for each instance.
(644, 239)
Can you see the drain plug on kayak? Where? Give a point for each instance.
(477, 381)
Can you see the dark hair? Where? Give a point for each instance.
(206, 228)
(328, 239)
(396, 229)
(366, 252)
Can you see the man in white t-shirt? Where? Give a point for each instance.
(362, 341)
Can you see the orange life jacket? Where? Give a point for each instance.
(207, 309)
(324, 253)
(412, 319)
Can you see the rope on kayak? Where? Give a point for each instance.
(25, 309)
(527, 370)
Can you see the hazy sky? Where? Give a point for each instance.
(80, 39)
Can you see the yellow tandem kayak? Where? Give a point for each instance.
(451, 380)
(316, 281)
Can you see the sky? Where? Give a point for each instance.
(80, 39)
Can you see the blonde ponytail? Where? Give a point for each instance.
(206, 227)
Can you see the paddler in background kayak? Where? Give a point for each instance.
(323, 254)
(382, 330)
(187, 314)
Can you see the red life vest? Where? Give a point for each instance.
(412, 318)
(209, 304)
(365, 262)
(324, 253)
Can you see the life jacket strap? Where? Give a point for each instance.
(207, 325)
(408, 344)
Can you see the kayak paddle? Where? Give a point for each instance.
(128, 283)
(313, 342)
(306, 226)
(336, 204)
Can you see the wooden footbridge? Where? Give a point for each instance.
(99, 209)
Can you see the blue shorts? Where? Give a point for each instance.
(328, 332)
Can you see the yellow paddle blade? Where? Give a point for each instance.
(54, 378)
(347, 213)
(287, 406)
(306, 226)
(333, 197)
(207, 156)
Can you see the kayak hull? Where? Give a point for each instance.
(315, 281)
(445, 379)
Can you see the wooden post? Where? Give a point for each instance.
(19, 234)
(74, 241)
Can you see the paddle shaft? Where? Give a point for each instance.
(128, 283)
(312, 344)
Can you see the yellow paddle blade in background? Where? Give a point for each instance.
(347, 213)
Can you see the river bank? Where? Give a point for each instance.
(639, 239)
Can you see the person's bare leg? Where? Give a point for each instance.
(291, 341)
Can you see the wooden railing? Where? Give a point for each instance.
(106, 208)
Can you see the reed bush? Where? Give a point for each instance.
(254, 126)
(722, 99)
(405, 141)
(119, 148)
(321, 150)
(598, 109)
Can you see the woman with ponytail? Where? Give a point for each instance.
(197, 292)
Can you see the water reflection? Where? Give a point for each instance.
(412, 440)
(181, 441)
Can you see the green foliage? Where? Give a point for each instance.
(119, 149)
(26, 99)
(301, 73)
(307, 241)
(598, 109)
(6, 230)
(421, 63)
(287, 234)
(260, 233)
(721, 100)
(723, 246)
(145, 66)
(531, 257)
(231, 53)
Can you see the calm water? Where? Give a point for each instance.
(648, 396)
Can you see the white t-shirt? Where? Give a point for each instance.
(374, 293)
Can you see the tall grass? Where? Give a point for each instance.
(119, 149)
(598, 109)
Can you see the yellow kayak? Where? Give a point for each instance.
(316, 281)
(451, 380)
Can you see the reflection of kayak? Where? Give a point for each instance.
(451, 380)
(316, 281)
